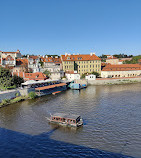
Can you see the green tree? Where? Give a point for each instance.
(7, 81)
(96, 73)
(134, 60)
(17, 80)
(32, 95)
(47, 73)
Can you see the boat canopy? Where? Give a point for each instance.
(67, 116)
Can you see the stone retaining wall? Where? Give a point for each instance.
(8, 94)
(114, 81)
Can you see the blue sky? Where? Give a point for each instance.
(72, 26)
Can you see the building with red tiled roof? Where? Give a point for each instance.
(20, 62)
(31, 76)
(123, 70)
(83, 63)
(9, 61)
(53, 65)
(16, 54)
(139, 61)
(112, 60)
(34, 63)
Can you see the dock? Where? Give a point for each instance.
(56, 92)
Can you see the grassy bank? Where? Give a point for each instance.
(5, 102)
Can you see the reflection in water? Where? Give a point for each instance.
(112, 120)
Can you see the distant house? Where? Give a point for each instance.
(123, 70)
(30, 76)
(53, 65)
(112, 60)
(16, 54)
(9, 58)
(90, 77)
(72, 75)
(34, 63)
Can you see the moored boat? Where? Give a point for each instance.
(66, 119)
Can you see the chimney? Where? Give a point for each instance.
(46, 56)
(56, 56)
(92, 53)
(18, 51)
(66, 54)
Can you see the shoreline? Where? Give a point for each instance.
(97, 82)
(115, 81)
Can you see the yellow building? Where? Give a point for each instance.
(83, 63)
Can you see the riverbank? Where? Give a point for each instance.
(17, 99)
(115, 81)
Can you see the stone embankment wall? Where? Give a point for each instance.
(25, 91)
(108, 81)
(81, 81)
(8, 94)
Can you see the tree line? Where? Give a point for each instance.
(7, 81)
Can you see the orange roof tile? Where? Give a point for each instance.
(111, 57)
(57, 60)
(31, 76)
(33, 57)
(21, 61)
(81, 57)
(9, 58)
(122, 67)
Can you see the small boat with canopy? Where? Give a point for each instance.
(66, 119)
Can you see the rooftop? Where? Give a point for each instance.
(122, 67)
(80, 57)
(65, 115)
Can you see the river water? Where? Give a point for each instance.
(112, 124)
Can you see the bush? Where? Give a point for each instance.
(17, 94)
(17, 99)
(32, 95)
(96, 73)
(11, 87)
(5, 102)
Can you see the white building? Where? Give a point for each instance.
(9, 58)
(53, 65)
(33, 63)
(123, 70)
(72, 75)
(90, 77)
(57, 75)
